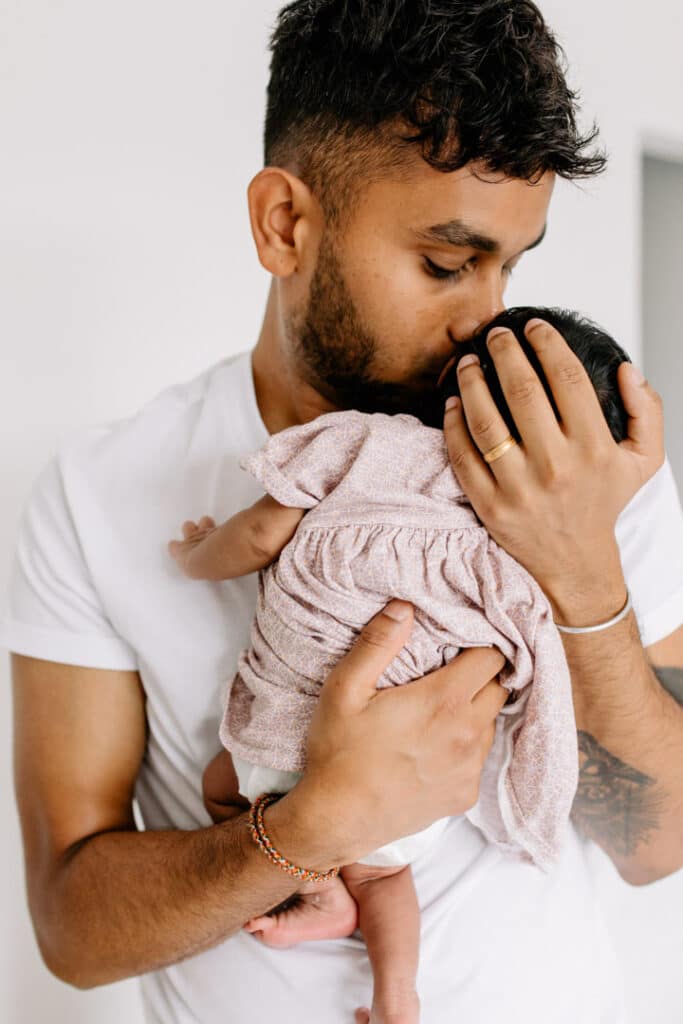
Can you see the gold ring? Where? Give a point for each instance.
(500, 449)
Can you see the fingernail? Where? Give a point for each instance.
(398, 611)
(471, 360)
(636, 375)
(497, 332)
(533, 324)
(452, 403)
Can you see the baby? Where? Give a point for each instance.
(359, 509)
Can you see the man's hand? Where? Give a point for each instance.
(553, 501)
(383, 764)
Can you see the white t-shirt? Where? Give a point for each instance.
(93, 585)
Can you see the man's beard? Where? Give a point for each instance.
(335, 354)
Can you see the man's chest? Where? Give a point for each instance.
(186, 634)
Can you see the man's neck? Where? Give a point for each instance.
(283, 398)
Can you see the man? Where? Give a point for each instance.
(411, 150)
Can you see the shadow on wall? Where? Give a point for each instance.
(662, 272)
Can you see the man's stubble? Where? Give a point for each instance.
(336, 353)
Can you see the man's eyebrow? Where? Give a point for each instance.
(462, 236)
(459, 234)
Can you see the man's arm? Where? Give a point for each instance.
(109, 902)
(630, 733)
(619, 805)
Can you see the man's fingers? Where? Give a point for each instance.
(645, 412)
(354, 678)
(574, 394)
(472, 473)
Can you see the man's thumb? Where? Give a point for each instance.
(354, 678)
(644, 409)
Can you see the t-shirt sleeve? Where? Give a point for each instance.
(650, 536)
(302, 465)
(53, 610)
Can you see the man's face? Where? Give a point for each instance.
(418, 267)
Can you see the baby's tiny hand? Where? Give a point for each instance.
(193, 534)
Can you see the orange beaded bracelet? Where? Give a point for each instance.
(260, 837)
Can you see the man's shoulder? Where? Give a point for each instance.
(210, 413)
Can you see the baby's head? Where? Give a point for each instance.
(599, 353)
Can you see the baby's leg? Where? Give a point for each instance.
(221, 789)
(389, 919)
(318, 910)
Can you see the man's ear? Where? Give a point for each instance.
(286, 221)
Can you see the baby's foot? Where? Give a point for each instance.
(405, 1010)
(365, 1016)
(321, 910)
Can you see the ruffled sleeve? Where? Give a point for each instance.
(302, 465)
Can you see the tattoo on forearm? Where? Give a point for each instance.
(672, 681)
(615, 805)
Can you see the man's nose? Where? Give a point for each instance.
(486, 304)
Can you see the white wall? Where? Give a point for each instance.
(129, 133)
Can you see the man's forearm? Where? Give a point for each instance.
(125, 903)
(630, 734)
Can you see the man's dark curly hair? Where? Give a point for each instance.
(355, 82)
(599, 353)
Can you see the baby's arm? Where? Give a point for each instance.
(389, 920)
(249, 541)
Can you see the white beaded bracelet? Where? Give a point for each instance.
(603, 625)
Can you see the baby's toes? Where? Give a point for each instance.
(260, 924)
(207, 523)
(270, 932)
(189, 529)
(395, 1011)
(365, 1016)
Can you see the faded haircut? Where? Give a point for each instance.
(358, 85)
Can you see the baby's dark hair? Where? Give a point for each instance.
(355, 85)
(598, 352)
